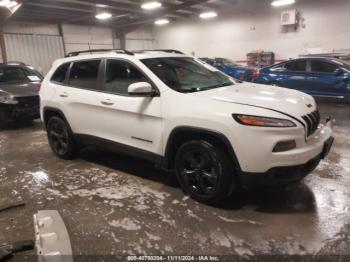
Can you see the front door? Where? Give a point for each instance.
(128, 120)
(327, 79)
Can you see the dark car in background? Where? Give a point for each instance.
(19, 92)
(231, 68)
(317, 76)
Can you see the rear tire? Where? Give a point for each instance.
(60, 138)
(204, 171)
(275, 84)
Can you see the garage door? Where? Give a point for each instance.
(36, 50)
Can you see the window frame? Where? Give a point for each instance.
(99, 72)
(295, 61)
(64, 82)
(326, 62)
(104, 74)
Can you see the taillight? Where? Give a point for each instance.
(256, 73)
(38, 86)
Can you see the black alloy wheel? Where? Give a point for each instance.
(204, 171)
(60, 138)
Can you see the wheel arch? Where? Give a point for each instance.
(49, 112)
(180, 135)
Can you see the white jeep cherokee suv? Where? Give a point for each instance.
(216, 133)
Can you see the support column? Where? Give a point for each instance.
(2, 45)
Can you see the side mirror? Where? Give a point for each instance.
(338, 72)
(141, 89)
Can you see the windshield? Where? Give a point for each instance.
(12, 74)
(186, 75)
(343, 62)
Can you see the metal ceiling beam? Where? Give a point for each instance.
(60, 7)
(91, 3)
(167, 11)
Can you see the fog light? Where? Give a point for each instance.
(284, 146)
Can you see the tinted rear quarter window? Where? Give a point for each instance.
(84, 74)
(60, 73)
(322, 67)
(296, 66)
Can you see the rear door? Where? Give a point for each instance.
(326, 79)
(134, 121)
(294, 75)
(78, 96)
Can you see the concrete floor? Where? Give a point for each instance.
(114, 205)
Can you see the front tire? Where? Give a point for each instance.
(61, 138)
(204, 171)
(3, 119)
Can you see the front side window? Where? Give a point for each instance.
(121, 74)
(84, 74)
(297, 66)
(60, 74)
(322, 67)
(186, 75)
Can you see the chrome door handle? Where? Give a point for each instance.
(107, 103)
(64, 95)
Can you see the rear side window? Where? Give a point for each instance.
(322, 67)
(84, 74)
(12, 74)
(60, 74)
(120, 75)
(297, 66)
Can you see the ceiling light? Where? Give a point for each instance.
(282, 2)
(4, 2)
(207, 15)
(103, 16)
(162, 22)
(12, 4)
(151, 5)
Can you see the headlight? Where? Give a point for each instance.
(262, 121)
(8, 99)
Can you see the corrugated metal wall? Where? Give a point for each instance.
(36, 50)
(78, 37)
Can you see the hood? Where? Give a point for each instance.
(284, 100)
(20, 89)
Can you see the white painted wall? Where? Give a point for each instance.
(238, 31)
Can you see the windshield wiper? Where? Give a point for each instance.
(198, 89)
(216, 86)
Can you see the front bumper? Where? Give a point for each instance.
(26, 107)
(281, 176)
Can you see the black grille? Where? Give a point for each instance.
(312, 121)
(28, 101)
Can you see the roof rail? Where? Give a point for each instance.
(15, 63)
(120, 51)
(162, 50)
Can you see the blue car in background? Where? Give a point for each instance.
(231, 68)
(317, 76)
